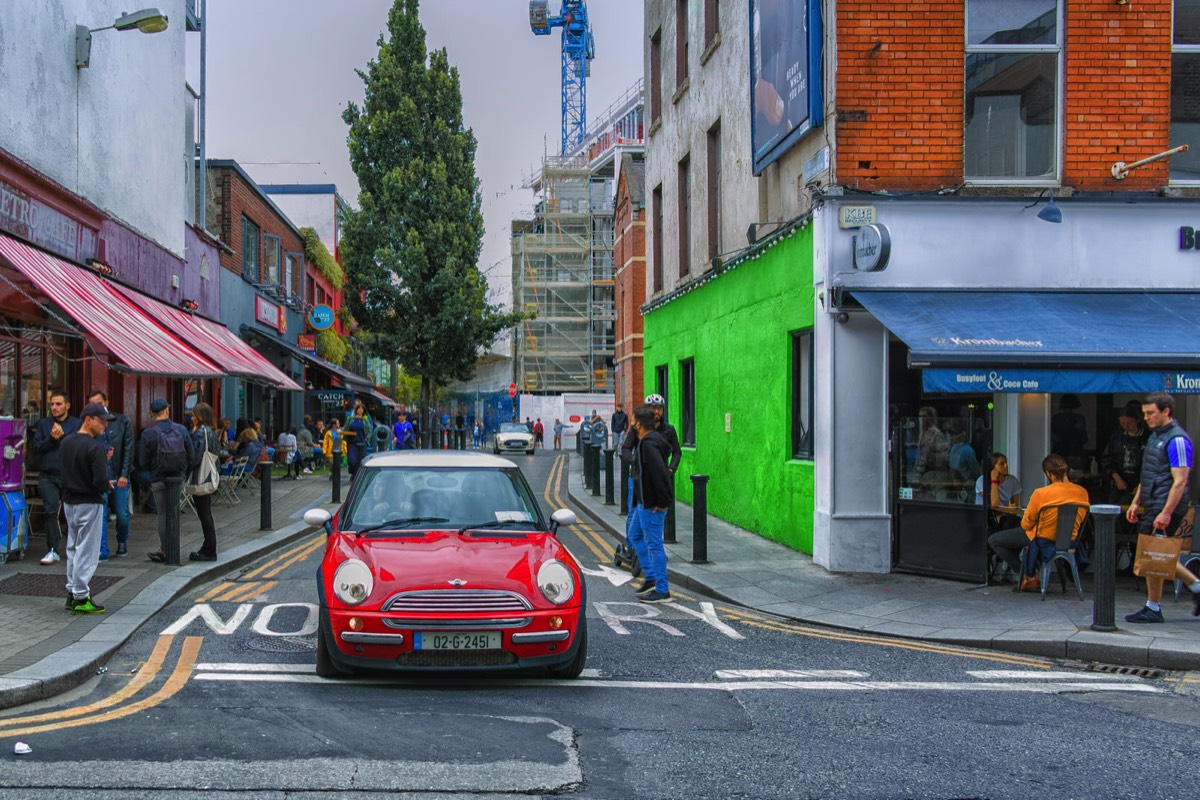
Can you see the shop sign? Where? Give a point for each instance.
(321, 317)
(332, 398)
(856, 216)
(1188, 238)
(270, 314)
(307, 341)
(1043, 381)
(872, 248)
(30, 218)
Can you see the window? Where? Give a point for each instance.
(660, 382)
(271, 260)
(291, 272)
(681, 42)
(249, 250)
(1185, 90)
(802, 394)
(687, 397)
(657, 269)
(655, 76)
(712, 25)
(1012, 90)
(714, 191)
(685, 215)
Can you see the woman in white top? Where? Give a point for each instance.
(1005, 488)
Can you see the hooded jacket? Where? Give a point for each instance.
(654, 485)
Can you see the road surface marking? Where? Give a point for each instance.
(216, 590)
(708, 615)
(297, 558)
(204, 612)
(771, 674)
(1065, 675)
(617, 577)
(262, 625)
(645, 614)
(286, 554)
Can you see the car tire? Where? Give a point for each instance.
(574, 668)
(529, 452)
(325, 666)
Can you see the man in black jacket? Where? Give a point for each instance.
(619, 424)
(118, 436)
(85, 483)
(655, 491)
(50, 433)
(166, 449)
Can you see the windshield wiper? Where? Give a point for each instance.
(399, 522)
(496, 523)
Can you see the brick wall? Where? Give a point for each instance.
(236, 199)
(629, 258)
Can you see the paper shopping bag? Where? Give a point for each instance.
(1156, 557)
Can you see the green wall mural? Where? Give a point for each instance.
(738, 329)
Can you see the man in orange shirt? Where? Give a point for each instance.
(1008, 543)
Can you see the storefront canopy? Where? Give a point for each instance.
(352, 381)
(215, 341)
(138, 343)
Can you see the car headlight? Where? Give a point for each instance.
(353, 582)
(555, 581)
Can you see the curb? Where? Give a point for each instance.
(75, 663)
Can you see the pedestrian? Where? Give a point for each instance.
(619, 423)
(402, 433)
(659, 404)
(539, 434)
(558, 429)
(529, 424)
(1163, 492)
(165, 448)
(204, 440)
(1121, 461)
(289, 446)
(304, 450)
(85, 484)
(655, 493)
(118, 439)
(47, 438)
(331, 444)
(356, 439)
(318, 451)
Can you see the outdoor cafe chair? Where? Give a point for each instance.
(1066, 543)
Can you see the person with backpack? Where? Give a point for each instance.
(166, 449)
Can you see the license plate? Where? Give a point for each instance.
(458, 640)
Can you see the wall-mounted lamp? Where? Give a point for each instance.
(100, 267)
(188, 305)
(1122, 2)
(1121, 169)
(148, 20)
(1051, 213)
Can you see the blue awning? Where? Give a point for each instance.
(1152, 332)
(1026, 380)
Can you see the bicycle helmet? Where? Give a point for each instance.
(655, 400)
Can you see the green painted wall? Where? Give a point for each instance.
(738, 327)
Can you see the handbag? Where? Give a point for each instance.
(1156, 556)
(208, 473)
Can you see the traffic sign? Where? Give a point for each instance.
(512, 390)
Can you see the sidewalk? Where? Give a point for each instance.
(45, 651)
(751, 571)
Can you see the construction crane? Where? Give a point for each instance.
(578, 50)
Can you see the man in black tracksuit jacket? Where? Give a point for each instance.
(654, 492)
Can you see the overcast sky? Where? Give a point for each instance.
(280, 72)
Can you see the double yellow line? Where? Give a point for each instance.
(246, 588)
(113, 706)
(591, 538)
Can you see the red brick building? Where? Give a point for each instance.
(629, 262)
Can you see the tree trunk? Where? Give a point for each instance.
(427, 415)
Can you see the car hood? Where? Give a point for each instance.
(515, 435)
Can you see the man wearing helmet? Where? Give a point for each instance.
(656, 402)
(634, 534)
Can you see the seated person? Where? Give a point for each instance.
(1005, 488)
(963, 463)
(1007, 544)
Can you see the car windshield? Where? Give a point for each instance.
(445, 497)
(513, 427)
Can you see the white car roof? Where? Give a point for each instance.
(437, 458)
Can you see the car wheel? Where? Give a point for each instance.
(529, 452)
(325, 666)
(575, 668)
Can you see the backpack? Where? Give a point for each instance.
(171, 459)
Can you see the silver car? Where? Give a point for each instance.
(511, 437)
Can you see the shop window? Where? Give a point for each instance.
(687, 398)
(271, 248)
(250, 251)
(685, 215)
(1185, 91)
(660, 383)
(1012, 114)
(802, 394)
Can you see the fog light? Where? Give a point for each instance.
(356, 624)
(556, 622)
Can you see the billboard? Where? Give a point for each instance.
(785, 75)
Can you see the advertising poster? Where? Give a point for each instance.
(785, 75)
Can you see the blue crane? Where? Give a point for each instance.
(578, 50)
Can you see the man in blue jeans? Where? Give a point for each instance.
(118, 437)
(655, 491)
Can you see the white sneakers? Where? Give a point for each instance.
(307, 471)
(50, 558)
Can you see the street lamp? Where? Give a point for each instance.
(148, 20)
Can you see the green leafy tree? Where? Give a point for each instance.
(411, 252)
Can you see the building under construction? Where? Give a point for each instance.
(562, 263)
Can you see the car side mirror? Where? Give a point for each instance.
(564, 516)
(319, 518)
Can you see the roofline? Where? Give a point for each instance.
(299, 188)
(229, 163)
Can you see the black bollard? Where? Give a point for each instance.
(336, 473)
(669, 525)
(172, 490)
(699, 519)
(624, 489)
(1104, 567)
(264, 498)
(608, 476)
(595, 471)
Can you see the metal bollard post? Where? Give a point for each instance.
(608, 477)
(264, 498)
(669, 525)
(1104, 567)
(172, 489)
(336, 466)
(595, 471)
(624, 511)
(699, 519)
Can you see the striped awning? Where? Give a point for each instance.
(138, 343)
(215, 341)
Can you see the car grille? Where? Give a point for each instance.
(457, 601)
(456, 658)
(516, 443)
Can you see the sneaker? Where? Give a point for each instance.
(646, 586)
(70, 604)
(103, 555)
(198, 556)
(50, 558)
(112, 517)
(122, 550)
(1145, 614)
(86, 606)
(308, 472)
(655, 596)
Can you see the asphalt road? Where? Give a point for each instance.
(216, 697)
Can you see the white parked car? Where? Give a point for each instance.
(512, 436)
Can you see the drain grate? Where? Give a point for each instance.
(33, 584)
(1133, 672)
(282, 644)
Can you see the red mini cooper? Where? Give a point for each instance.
(442, 560)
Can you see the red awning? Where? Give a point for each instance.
(385, 399)
(132, 337)
(215, 341)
